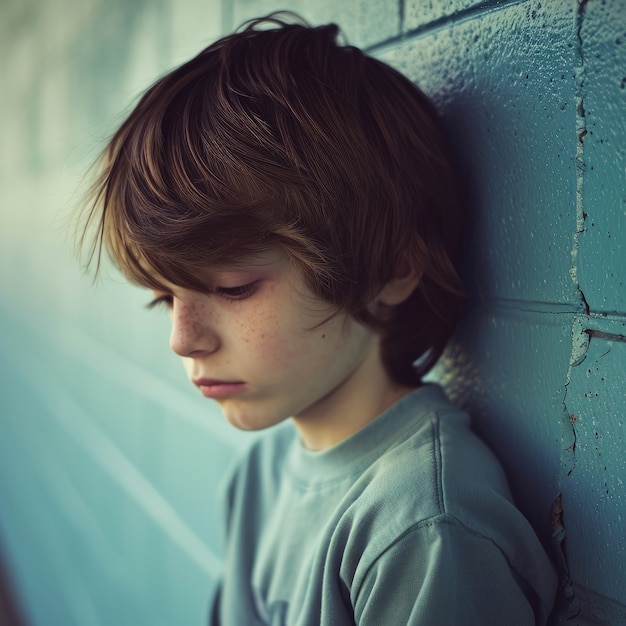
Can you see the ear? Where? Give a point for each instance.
(400, 286)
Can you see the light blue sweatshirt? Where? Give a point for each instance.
(408, 522)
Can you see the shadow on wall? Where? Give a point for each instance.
(513, 363)
(10, 611)
(530, 94)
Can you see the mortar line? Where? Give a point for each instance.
(458, 17)
(546, 307)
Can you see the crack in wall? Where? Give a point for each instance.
(580, 339)
(581, 133)
(581, 336)
(580, 345)
(602, 335)
(568, 605)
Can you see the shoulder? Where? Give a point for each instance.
(436, 465)
(436, 471)
(439, 495)
(441, 560)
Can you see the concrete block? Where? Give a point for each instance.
(594, 489)
(506, 91)
(602, 148)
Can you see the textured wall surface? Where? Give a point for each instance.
(109, 462)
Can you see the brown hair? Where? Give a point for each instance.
(279, 136)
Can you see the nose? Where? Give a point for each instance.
(193, 329)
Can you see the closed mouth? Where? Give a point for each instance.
(213, 388)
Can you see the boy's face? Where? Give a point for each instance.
(265, 348)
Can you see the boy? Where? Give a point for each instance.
(291, 202)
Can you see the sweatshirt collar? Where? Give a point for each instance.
(355, 454)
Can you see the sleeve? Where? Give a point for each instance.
(441, 572)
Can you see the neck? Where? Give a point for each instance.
(357, 401)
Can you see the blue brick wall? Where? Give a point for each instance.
(109, 462)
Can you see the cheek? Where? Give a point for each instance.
(303, 350)
(277, 350)
(262, 335)
(281, 336)
(277, 341)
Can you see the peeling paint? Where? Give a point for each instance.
(580, 343)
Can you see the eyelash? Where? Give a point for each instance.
(240, 292)
(166, 301)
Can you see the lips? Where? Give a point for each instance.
(212, 388)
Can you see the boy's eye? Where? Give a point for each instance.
(164, 300)
(241, 292)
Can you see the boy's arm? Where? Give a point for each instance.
(441, 572)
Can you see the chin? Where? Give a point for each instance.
(243, 420)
